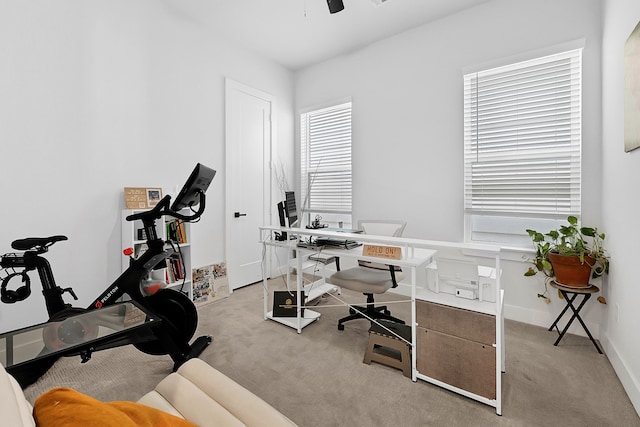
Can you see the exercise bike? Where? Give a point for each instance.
(178, 315)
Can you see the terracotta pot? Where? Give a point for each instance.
(570, 272)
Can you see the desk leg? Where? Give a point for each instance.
(265, 282)
(298, 290)
(414, 370)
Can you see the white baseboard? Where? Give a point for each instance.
(629, 381)
(545, 319)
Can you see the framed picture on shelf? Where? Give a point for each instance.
(153, 196)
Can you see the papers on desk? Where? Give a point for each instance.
(322, 258)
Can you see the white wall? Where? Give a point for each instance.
(96, 96)
(408, 120)
(407, 105)
(620, 201)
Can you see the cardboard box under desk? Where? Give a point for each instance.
(467, 324)
(465, 364)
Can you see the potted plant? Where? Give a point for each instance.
(571, 255)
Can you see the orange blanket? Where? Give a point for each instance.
(65, 407)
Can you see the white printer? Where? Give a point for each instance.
(462, 277)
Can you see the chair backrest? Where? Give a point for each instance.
(382, 227)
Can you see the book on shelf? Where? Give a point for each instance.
(140, 249)
(175, 269)
(182, 232)
(176, 231)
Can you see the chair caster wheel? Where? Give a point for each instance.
(340, 327)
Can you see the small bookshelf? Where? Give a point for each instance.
(177, 273)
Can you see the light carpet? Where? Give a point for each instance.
(317, 378)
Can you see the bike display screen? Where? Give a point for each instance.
(198, 183)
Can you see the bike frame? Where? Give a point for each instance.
(127, 283)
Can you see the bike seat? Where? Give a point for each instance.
(35, 242)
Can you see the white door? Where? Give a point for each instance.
(248, 183)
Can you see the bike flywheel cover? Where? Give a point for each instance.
(68, 330)
(177, 309)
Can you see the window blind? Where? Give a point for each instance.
(326, 159)
(522, 138)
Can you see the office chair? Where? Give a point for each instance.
(371, 277)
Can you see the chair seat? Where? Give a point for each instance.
(365, 280)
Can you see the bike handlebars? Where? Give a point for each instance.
(162, 209)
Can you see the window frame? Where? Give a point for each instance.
(502, 220)
(333, 216)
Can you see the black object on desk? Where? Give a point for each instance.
(574, 292)
(337, 243)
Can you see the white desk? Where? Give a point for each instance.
(413, 258)
(416, 254)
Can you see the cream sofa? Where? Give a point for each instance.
(196, 392)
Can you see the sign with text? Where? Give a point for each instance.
(379, 251)
(141, 198)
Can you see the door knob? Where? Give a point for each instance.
(238, 214)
